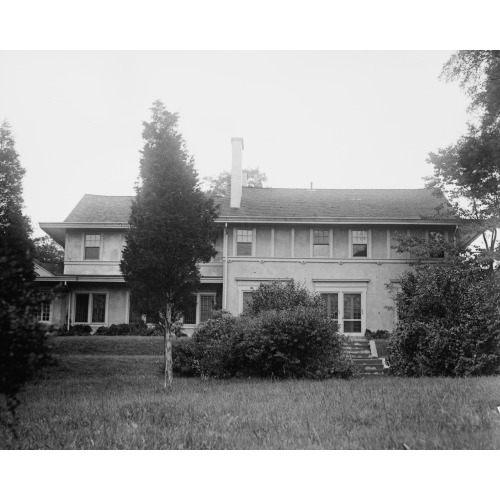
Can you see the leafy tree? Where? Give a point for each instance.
(49, 253)
(218, 185)
(469, 171)
(172, 226)
(22, 340)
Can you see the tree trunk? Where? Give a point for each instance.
(169, 375)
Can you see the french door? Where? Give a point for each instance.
(347, 309)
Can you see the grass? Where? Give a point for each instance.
(381, 345)
(103, 401)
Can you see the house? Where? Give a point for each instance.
(338, 242)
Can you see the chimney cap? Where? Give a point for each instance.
(238, 139)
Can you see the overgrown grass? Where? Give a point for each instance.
(117, 402)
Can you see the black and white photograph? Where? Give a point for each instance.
(263, 249)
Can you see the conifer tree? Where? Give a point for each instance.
(22, 341)
(172, 226)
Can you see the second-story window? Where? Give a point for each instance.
(244, 239)
(360, 243)
(437, 240)
(321, 243)
(92, 246)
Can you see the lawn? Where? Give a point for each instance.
(116, 401)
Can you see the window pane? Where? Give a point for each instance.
(206, 307)
(244, 249)
(98, 307)
(352, 305)
(189, 313)
(331, 305)
(352, 326)
(360, 236)
(321, 237)
(359, 250)
(247, 298)
(81, 308)
(45, 311)
(244, 235)
(92, 240)
(92, 253)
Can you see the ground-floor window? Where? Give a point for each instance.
(247, 300)
(201, 309)
(43, 311)
(90, 306)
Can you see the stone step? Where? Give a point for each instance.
(368, 362)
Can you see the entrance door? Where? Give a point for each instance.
(347, 309)
(352, 313)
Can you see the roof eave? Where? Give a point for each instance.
(336, 220)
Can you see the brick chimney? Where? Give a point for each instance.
(236, 174)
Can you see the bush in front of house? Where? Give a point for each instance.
(279, 295)
(298, 342)
(75, 331)
(376, 335)
(449, 322)
(185, 358)
(290, 343)
(215, 340)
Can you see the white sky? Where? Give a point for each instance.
(339, 119)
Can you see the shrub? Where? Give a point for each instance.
(449, 322)
(75, 330)
(214, 341)
(279, 296)
(185, 358)
(379, 334)
(299, 343)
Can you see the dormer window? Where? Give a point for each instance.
(360, 243)
(92, 246)
(244, 240)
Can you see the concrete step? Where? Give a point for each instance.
(368, 362)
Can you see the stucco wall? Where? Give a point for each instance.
(112, 243)
(377, 294)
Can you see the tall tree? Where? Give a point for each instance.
(218, 185)
(172, 226)
(469, 171)
(49, 254)
(22, 340)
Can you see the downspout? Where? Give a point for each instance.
(69, 304)
(224, 277)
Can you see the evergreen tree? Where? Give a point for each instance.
(22, 341)
(172, 226)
